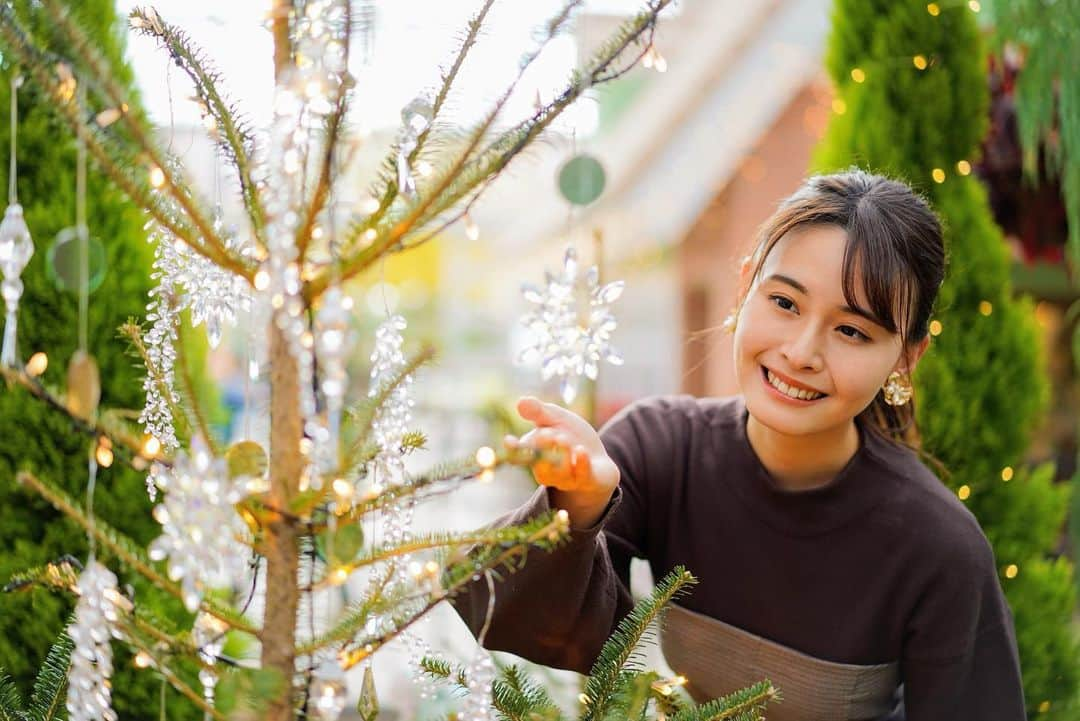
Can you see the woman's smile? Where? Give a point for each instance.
(786, 389)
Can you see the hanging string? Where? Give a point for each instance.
(90, 484)
(16, 81)
(83, 233)
(490, 608)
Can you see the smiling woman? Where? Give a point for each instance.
(863, 588)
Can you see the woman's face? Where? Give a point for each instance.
(796, 335)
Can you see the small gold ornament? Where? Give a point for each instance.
(368, 704)
(897, 389)
(83, 385)
(246, 458)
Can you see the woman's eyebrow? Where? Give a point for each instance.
(788, 280)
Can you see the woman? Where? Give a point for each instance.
(830, 559)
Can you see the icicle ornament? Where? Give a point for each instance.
(571, 324)
(415, 119)
(200, 527)
(97, 615)
(16, 245)
(208, 635)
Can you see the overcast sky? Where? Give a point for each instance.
(412, 39)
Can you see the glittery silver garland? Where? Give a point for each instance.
(332, 344)
(479, 679)
(97, 614)
(571, 324)
(200, 526)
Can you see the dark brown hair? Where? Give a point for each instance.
(894, 246)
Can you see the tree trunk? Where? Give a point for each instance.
(286, 465)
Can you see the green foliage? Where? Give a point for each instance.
(982, 388)
(35, 437)
(1048, 92)
(617, 687)
(10, 703)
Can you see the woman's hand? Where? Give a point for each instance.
(576, 467)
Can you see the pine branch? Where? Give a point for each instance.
(126, 550)
(544, 532)
(59, 575)
(142, 136)
(235, 137)
(11, 707)
(618, 651)
(442, 540)
(159, 665)
(476, 175)
(514, 697)
(116, 164)
(127, 446)
(390, 192)
(363, 414)
(421, 209)
(47, 700)
(747, 704)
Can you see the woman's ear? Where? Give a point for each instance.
(910, 360)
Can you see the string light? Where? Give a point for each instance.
(975, 6)
(485, 456)
(920, 62)
(472, 230)
(985, 307)
(143, 660)
(963, 167)
(37, 364)
(1007, 473)
(938, 175)
(157, 177)
(933, 9)
(104, 454)
(839, 106)
(1011, 570)
(858, 75)
(964, 492)
(935, 327)
(151, 447)
(1044, 707)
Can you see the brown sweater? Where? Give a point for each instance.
(882, 564)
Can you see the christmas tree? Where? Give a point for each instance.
(288, 519)
(912, 103)
(35, 436)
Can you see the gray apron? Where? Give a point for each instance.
(719, 658)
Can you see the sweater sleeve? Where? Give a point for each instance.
(560, 608)
(960, 659)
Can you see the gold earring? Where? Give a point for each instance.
(897, 389)
(732, 318)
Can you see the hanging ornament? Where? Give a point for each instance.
(332, 344)
(97, 615)
(62, 261)
(208, 635)
(571, 324)
(368, 703)
(415, 119)
(16, 246)
(581, 179)
(83, 385)
(480, 673)
(393, 417)
(328, 690)
(201, 529)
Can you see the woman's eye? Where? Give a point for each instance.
(853, 332)
(782, 302)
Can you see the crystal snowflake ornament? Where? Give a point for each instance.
(97, 615)
(200, 526)
(571, 324)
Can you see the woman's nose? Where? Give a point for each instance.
(803, 350)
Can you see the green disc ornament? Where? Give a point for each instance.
(62, 265)
(581, 179)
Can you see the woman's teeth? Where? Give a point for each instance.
(790, 390)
